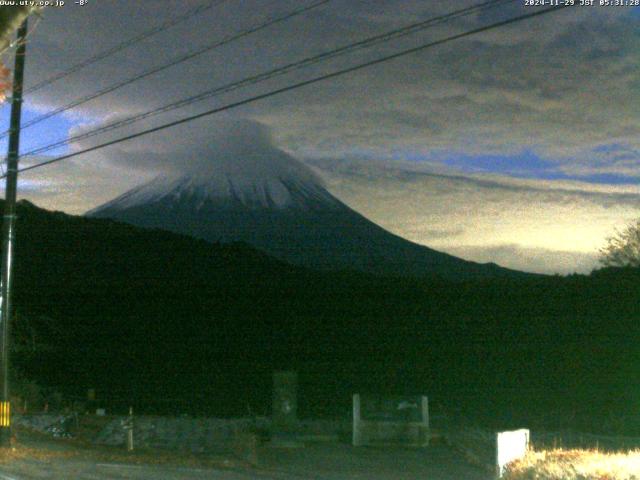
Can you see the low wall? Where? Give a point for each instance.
(43, 423)
(194, 434)
(176, 433)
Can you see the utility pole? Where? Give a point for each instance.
(9, 236)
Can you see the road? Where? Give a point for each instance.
(321, 462)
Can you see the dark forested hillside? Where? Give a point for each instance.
(169, 323)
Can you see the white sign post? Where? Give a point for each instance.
(510, 446)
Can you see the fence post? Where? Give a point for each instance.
(426, 428)
(129, 427)
(357, 433)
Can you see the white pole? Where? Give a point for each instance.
(130, 431)
(357, 434)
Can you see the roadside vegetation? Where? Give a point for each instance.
(562, 464)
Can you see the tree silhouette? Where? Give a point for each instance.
(623, 248)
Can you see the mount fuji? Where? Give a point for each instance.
(279, 205)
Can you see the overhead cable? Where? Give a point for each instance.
(301, 84)
(288, 68)
(124, 45)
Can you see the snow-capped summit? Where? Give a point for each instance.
(256, 182)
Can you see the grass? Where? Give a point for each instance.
(22, 452)
(41, 447)
(562, 464)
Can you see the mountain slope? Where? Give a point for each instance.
(170, 324)
(279, 205)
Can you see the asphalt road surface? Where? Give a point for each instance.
(319, 462)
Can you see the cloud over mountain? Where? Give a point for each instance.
(562, 88)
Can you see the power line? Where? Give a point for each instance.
(172, 63)
(126, 44)
(301, 84)
(365, 43)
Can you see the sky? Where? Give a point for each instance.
(519, 145)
